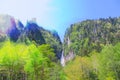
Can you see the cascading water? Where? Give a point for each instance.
(62, 59)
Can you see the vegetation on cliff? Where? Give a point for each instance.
(91, 49)
(86, 36)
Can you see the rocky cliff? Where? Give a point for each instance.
(13, 29)
(83, 37)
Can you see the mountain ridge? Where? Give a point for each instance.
(17, 32)
(88, 35)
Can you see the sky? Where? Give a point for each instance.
(59, 14)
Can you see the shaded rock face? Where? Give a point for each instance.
(33, 32)
(14, 30)
(53, 39)
(20, 26)
(55, 35)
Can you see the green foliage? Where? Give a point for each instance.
(30, 62)
(97, 66)
(96, 44)
(80, 69)
(110, 62)
(53, 41)
(89, 35)
(12, 58)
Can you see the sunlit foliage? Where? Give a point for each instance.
(26, 62)
(89, 35)
(97, 66)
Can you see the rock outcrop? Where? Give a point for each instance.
(13, 29)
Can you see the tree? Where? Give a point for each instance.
(12, 59)
(109, 63)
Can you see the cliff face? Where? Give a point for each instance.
(14, 30)
(8, 28)
(33, 32)
(86, 36)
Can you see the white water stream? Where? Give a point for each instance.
(62, 60)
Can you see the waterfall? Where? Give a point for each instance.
(62, 60)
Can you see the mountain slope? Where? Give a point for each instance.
(42, 36)
(83, 37)
(13, 29)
